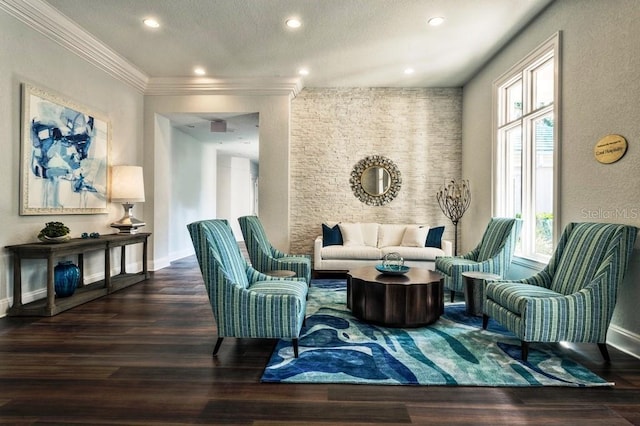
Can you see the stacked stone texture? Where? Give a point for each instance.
(419, 129)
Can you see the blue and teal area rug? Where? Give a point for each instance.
(335, 347)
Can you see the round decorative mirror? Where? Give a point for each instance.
(375, 180)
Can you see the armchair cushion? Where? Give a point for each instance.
(447, 263)
(513, 295)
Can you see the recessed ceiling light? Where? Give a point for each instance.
(303, 71)
(435, 21)
(293, 23)
(151, 23)
(409, 71)
(199, 71)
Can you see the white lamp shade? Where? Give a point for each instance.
(127, 184)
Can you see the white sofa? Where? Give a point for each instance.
(366, 244)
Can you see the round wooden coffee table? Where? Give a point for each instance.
(410, 300)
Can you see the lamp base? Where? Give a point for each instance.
(128, 224)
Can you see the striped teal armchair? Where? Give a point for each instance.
(493, 254)
(245, 302)
(264, 257)
(573, 297)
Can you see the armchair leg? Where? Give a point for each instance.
(525, 350)
(295, 348)
(485, 321)
(604, 351)
(453, 295)
(217, 347)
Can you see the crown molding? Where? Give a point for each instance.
(49, 22)
(172, 86)
(54, 25)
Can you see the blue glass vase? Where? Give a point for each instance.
(66, 276)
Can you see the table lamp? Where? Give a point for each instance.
(127, 187)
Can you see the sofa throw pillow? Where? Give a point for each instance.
(434, 237)
(351, 234)
(331, 236)
(369, 233)
(390, 235)
(414, 236)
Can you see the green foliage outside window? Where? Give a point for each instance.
(544, 233)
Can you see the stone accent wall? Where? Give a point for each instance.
(419, 129)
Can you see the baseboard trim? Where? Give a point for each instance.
(624, 340)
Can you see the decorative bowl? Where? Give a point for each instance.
(54, 240)
(392, 269)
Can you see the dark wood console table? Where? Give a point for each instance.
(52, 305)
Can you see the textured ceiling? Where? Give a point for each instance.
(344, 43)
(348, 43)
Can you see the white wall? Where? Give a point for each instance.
(274, 179)
(28, 56)
(600, 91)
(235, 191)
(193, 189)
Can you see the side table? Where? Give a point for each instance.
(474, 282)
(281, 273)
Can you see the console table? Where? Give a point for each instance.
(52, 305)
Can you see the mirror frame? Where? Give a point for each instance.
(375, 161)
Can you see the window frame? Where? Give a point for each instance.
(523, 72)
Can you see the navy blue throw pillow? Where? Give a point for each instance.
(331, 236)
(434, 237)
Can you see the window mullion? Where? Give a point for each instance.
(528, 231)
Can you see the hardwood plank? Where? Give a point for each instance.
(225, 412)
(515, 415)
(142, 356)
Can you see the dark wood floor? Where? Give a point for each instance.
(143, 356)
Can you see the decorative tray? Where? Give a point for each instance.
(393, 270)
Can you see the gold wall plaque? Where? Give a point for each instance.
(610, 149)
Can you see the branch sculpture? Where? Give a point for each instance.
(454, 199)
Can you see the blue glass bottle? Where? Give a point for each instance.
(66, 276)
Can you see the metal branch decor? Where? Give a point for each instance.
(454, 199)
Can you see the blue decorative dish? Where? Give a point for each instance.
(393, 270)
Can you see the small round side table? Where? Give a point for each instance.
(281, 273)
(474, 290)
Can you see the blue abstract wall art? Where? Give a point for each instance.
(64, 156)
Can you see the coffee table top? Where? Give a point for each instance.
(413, 276)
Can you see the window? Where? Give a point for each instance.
(526, 102)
